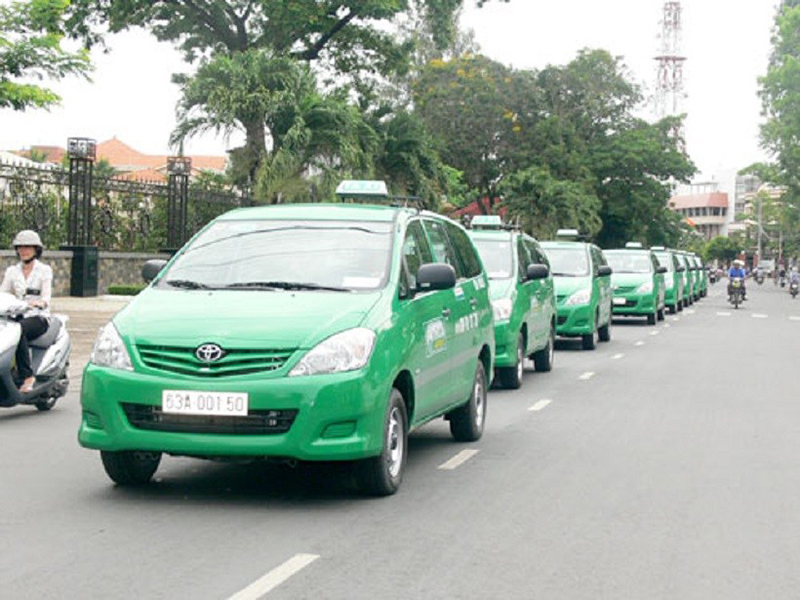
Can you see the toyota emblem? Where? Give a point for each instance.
(209, 353)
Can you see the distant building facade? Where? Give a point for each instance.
(707, 211)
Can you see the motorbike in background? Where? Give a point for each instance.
(793, 289)
(49, 357)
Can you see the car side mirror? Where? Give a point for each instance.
(604, 271)
(661, 270)
(537, 271)
(681, 269)
(152, 268)
(435, 276)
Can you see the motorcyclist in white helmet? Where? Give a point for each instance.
(30, 280)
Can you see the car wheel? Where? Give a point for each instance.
(651, 319)
(511, 377)
(672, 309)
(45, 405)
(381, 475)
(467, 421)
(588, 342)
(604, 332)
(543, 359)
(660, 314)
(130, 467)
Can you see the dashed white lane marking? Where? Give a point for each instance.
(760, 316)
(639, 344)
(666, 325)
(654, 332)
(689, 312)
(794, 318)
(458, 460)
(274, 578)
(617, 356)
(587, 375)
(723, 314)
(540, 405)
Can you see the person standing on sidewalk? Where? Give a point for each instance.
(32, 281)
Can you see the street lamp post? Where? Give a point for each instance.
(178, 169)
(84, 269)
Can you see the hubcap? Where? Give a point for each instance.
(520, 360)
(395, 442)
(480, 406)
(552, 349)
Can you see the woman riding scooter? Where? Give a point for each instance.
(32, 281)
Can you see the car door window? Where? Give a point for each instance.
(470, 264)
(440, 246)
(525, 259)
(416, 252)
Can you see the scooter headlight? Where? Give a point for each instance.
(346, 351)
(109, 350)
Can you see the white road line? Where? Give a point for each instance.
(666, 325)
(654, 332)
(689, 312)
(639, 344)
(617, 356)
(587, 375)
(794, 318)
(723, 314)
(760, 316)
(274, 578)
(540, 405)
(458, 460)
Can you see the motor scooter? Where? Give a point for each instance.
(793, 289)
(49, 357)
(736, 292)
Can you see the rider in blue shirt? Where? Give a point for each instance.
(737, 272)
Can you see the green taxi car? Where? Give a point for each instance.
(702, 276)
(673, 278)
(523, 298)
(321, 332)
(582, 281)
(688, 278)
(637, 283)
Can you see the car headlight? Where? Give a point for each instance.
(669, 283)
(645, 288)
(345, 351)
(502, 309)
(110, 351)
(580, 297)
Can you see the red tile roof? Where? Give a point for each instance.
(713, 199)
(474, 210)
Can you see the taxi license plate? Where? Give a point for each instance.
(180, 402)
(619, 301)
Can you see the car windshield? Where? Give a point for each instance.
(629, 262)
(568, 262)
(497, 258)
(298, 255)
(665, 260)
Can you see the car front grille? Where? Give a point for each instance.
(624, 289)
(258, 422)
(235, 362)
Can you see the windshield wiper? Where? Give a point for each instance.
(283, 285)
(187, 284)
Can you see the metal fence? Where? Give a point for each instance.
(126, 215)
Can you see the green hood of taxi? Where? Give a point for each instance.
(501, 288)
(566, 286)
(241, 319)
(629, 279)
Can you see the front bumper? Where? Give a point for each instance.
(339, 417)
(573, 321)
(505, 344)
(635, 305)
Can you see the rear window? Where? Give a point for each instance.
(497, 257)
(625, 261)
(568, 262)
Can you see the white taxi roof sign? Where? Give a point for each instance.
(637, 245)
(354, 188)
(567, 233)
(486, 222)
(658, 248)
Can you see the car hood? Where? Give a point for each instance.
(629, 279)
(500, 288)
(241, 319)
(565, 286)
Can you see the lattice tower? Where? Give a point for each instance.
(670, 94)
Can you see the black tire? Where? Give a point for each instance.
(544, 358)
(604, 332)
(651, 319)
(381, 475)
(467, 421)
(45, 405)
(130, 468)
(511, 377)
(660, 314)
(672, 309)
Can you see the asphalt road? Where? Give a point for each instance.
(666, 464)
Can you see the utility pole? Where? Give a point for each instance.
(760, 205)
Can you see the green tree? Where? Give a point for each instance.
(722, 249)
(31, 36)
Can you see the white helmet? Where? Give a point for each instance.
(27, 237)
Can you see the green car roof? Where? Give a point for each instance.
(319, 212)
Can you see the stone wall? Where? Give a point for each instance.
(115, 268)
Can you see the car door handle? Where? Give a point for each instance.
(446, 312)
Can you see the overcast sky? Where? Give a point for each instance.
(727, 45)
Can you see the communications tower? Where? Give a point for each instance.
(669, 83)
